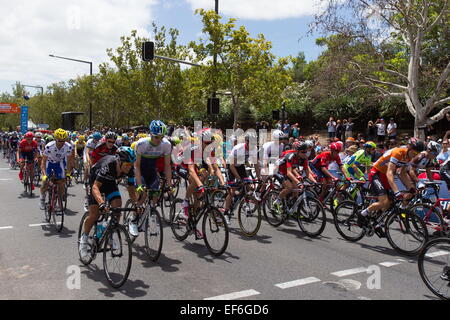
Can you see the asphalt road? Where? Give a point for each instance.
(36, 262)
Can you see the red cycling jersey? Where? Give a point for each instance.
(290, 159)
(24, 146)
(324, 159)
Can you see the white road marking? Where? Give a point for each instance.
(39, 224)
(6, 179)
(389, 264)
(437, 253)
(8, 227)
(348, 272)
(296, 283)
(235, 295)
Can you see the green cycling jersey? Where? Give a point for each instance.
(359, 158)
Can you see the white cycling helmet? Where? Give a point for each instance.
(278, 135)
(434, 147)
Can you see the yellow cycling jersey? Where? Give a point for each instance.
(79, 144)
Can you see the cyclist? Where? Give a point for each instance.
(320, 166)
(152, 156)
(425, 160)
(53, 163)
(90, 146)
(242, 154)
(381, 177)
(361, 158)
(103, 180)
(28, 150)
(272, 150)
(80, 144)
(288, 168)
(13, 144)
(106, 146)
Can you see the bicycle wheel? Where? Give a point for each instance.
(91, 240)
(117, 256)
(311, 217)
(249, 216)
(432, 218)
(47, 212)
(153, 235)
(215, 232)
(166, 198)
(273, 212)
(126, 218)
(177, 224)
(58, 213)
(406, 232)
(434, 266)
(346, 221)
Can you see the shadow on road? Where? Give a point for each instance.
(131, 288)
(50, 231)
(165, 263)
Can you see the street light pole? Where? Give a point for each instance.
(90, 102)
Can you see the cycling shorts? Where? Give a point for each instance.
(56, 169)
(27, 156)
(379, 184)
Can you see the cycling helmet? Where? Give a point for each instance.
(310, 143)
(29, 135)
(38, 135)
(60, 134)
(111, 135)
(299, 146)
(206, 135)
(81, 138)
(158, 128)
(97, 136)
(74, 135)
(434, 147)
(369, 144)
(126, 154)
(125, 137)
(417, 144)
(278, 134)
(336, 147)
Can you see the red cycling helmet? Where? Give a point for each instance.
(336, 147)
(29, 135)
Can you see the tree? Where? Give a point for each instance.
(398, 48)
(245, 66)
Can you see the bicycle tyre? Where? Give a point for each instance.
(435, 222)
(58, 215)
(308, 220)
(426, 256)
(273, 216)
(80, 231)
(153, 230)
(405, 221)
(346, 221)
(213, 222)
(118, 236)
(179, 228)
(251, 229)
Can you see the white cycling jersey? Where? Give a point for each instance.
(241, 155)
(146, 149)
(56, 155)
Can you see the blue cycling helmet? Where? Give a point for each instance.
(126, 154)
(97, 135)
(158, 128)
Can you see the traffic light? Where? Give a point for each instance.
(213, 106)
(148, 51)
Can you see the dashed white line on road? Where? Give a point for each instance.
(389, 264)
(296, 283)
(6, 179)
(235, 295)
(39, 224)
(437, 253)
(348, 272)
(7, 227)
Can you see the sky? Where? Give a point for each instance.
(84, 29)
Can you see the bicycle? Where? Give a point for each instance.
(13, 160)
(150, 223)
(213, 224)
(54, 208)
(396, 222)
(244, 200)
(79, 171)
(37, 173)
(27, 178)
(434, 266)
(108, 236)
(301, 205)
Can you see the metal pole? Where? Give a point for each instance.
(215, 55)
(90, 101)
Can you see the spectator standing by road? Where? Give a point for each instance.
(286, 127)
(340, 130)
(331, 125)
(392, 130)
(381, 129)
(349, 129)
(371, 131)
(295, 131)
